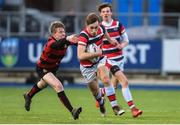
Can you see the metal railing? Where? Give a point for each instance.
(35, 24)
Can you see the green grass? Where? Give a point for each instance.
(160, 107)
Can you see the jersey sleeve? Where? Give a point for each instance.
(103, 28)
(69, 42)
(58, 43)
(121, 29)
(83, 39)
(122, 32)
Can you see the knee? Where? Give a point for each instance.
(59, 87)
(44, 86)
(41, 84)
(105, 80)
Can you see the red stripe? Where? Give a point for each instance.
(114, 34)
(86, 63)
(33, 91)
(82, 39)
(108, 65)
(112, 98)
(114, 23)
(103, 91)
(130, 103)
(122, 29)
(107, 46)
(114, 54)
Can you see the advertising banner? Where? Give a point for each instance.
(23, 54)
(143, 55)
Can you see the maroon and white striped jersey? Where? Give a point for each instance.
(85, 38)
(115, 30)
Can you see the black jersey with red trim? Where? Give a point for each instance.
(53, 52)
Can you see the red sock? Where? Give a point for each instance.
(131, 104)
(63, 98)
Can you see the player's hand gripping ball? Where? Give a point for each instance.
(91, 48)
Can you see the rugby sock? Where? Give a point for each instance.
(63, 98)
(35, 89)
(128, 97)
(110, 93)
(102, 90)
(131, 104)
(99, 98)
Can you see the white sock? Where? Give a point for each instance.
(110, 91)
(99, 97)
(127, 94)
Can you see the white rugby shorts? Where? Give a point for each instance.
(90, 74)
(120, 63)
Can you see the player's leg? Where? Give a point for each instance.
(119, 75)
(94, 88)
(103, 93)
(53, 81)
(103, 74)
(90, 77)
(34, 90)
(114, 81)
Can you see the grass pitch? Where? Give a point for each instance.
(159, 107)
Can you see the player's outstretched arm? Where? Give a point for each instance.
(72, 38)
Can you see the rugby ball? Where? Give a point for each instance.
(91, 48)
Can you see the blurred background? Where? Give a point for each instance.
(153, 27)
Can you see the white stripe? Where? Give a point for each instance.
(124, 37)
(116, 57)
(106, 24)
(109, 48)
(80, 42)
(96, 36)
(114, 37)
(84, 65)
(112, 27)
(132, 106)
(114, 103)
(84, 33)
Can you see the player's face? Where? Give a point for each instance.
(93, 28)
(59, 33)
(106, 14)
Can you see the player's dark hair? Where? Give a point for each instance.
(104, 5)
(54, 25)
(91, 18)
